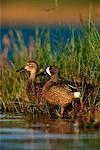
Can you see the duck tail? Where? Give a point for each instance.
(77, 94)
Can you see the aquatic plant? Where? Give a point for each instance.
(78, 61)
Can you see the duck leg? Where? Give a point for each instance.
(81, 103)
(62, 111)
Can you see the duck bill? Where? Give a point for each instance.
(21, 69)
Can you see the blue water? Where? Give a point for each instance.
(24, 133)
(59, 35)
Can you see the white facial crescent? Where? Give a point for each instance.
(48, 71)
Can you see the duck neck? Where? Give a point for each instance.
(30, 87)
(54, 78)
(32, 76)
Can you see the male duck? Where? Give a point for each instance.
(58, 93)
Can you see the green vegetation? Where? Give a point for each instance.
(78, 61)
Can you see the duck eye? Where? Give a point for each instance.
(29, 64)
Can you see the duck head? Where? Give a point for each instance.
(53, 72)
(32, 67)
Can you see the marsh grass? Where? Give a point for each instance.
(78, 61)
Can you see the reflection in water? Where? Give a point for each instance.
(18, 132)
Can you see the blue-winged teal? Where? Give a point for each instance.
(58, 93)
(74, 87)
(33, 88)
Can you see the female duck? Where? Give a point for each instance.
(33, 89)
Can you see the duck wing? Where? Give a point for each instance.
(58, 94)
(74, 86)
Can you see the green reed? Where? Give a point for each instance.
(78, 61)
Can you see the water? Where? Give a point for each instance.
(58, 34)
(24, 133)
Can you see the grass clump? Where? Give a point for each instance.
(78, 61)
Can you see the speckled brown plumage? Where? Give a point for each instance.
(30, 90)
(57, 93)
(33, 89)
